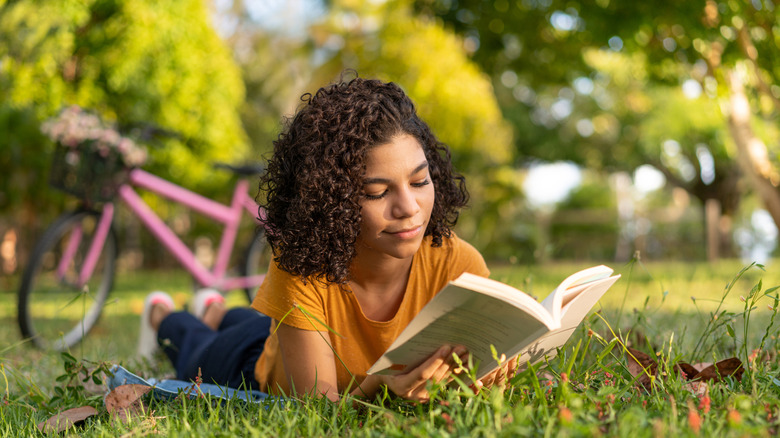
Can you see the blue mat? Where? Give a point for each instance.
(168, 389)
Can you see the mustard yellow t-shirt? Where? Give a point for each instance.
(363, 340)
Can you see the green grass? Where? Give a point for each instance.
(650, 309)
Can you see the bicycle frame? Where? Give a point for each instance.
(229, 216)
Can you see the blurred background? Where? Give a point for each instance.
(588, 130)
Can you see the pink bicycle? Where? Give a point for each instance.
(71, 270)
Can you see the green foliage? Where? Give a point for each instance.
(593, 193)
(70, 384)
(134, 62)
(657, 124)
(274, 75)
(632, 58)
(585, 225)
(385, 40)
(451, 93)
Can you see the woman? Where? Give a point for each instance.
(360, 201)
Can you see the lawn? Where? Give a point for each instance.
(659, 308)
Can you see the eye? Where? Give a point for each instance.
(422, 183)
(373, 197)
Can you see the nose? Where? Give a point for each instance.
(405, 204)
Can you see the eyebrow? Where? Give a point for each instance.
(417, 169)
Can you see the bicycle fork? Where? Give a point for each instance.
(95, 247)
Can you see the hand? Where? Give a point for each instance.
(499, 376)
(412, 384)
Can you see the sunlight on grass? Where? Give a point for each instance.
(585, 390)
(661, 289)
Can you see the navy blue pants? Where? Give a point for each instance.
(226, 356)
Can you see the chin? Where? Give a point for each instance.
(405, 250)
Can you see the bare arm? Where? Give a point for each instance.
(309, 361)
(310, 365)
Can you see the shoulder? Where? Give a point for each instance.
(454, 256)
(281, 293)
(277, 278)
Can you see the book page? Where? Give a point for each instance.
(476, 313)
(544, 347)
(504, 292)
(571, 287)
(459, 316)
(573, 313)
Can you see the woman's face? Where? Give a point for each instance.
(399, 199)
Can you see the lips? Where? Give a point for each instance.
(406, 233)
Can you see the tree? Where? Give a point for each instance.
(387, 41)
(133, 62)
(539, 51)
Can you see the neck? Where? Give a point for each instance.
(379, 285)
(377, 272)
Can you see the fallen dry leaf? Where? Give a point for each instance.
(728, 367)
(687, 370)
(66, 419)
(639, 365)
(124, 402)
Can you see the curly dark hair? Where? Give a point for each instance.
(313, 184)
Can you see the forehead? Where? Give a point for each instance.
(402, 152)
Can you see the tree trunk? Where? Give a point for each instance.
(752, 153)
(625, 207)
(712, 226)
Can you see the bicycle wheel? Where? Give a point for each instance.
(256, 260)
(55, 311)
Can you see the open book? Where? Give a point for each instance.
(478, 312)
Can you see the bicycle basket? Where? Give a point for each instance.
(86, 173)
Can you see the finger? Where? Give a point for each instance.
(463, 356)
(421, 396)
(501, 375)
(512, 368)
(412, 384)
(491, 378)
(421, 374)
(442, 372)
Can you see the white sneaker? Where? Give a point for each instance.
(147, 338)
(202, 299)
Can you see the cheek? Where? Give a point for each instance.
(370, 219)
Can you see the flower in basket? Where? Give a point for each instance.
(91, 159)
(85, 133)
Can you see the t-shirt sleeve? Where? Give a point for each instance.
(466, 258)
(287, 299)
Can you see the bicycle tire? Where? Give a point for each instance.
(54, 312)
(256, 260)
